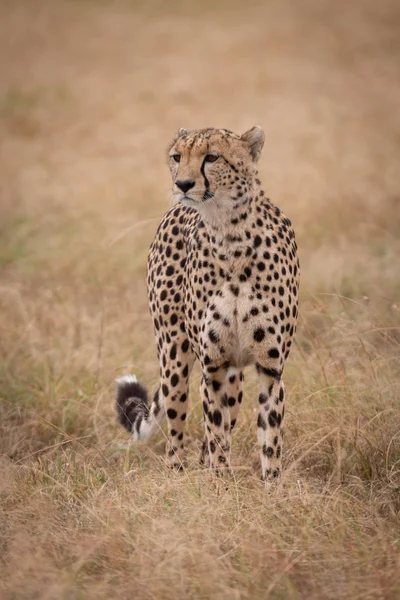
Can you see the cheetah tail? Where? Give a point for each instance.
(134, 412)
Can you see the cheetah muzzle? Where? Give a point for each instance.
(223, 279)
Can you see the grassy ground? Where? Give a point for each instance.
(90, 94)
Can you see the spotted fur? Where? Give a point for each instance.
(223, 278)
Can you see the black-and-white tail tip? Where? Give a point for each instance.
(134, 411)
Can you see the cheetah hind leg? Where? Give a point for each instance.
(142, 419)
(169, 403)
(176, 362)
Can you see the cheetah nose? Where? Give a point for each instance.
(185, 185)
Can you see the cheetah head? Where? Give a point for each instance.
(213, 170)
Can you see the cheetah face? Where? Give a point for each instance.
(213, 170)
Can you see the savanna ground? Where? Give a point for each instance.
(90, 94)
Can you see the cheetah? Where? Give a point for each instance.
(223, 280)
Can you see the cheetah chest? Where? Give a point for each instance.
(232, 321)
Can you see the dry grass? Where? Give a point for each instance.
(90, 93)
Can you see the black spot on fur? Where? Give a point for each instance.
(259, 334)
(217, 417)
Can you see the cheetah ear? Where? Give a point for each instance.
(181, 132)
(254, 138)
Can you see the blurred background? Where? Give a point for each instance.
(91, 93)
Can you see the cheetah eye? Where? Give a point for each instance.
(176, 157)
(211, 158)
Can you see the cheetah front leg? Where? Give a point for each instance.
(270, 422)
(221, 402)
(233, 390)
